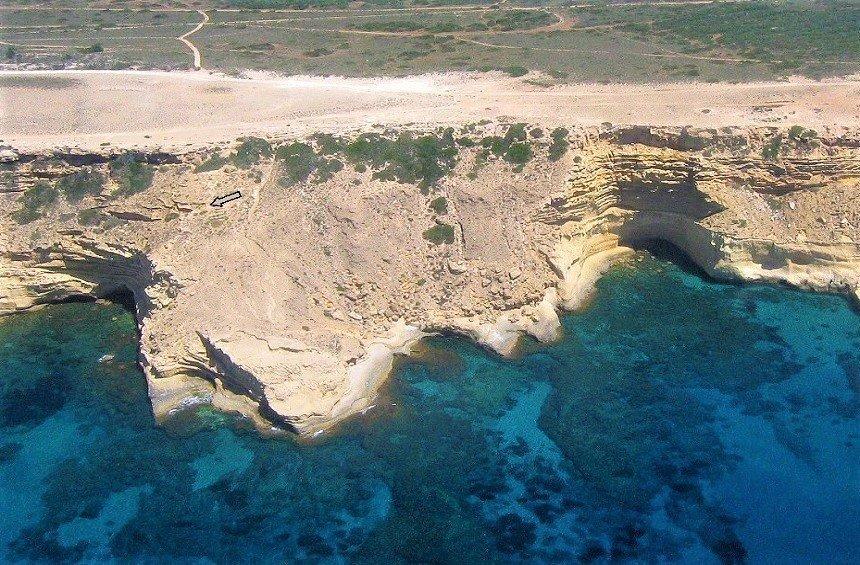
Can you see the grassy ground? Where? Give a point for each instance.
(736, 41)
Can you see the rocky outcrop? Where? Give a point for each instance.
(291, 303)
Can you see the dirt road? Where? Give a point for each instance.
(144, 109)
(198, 62)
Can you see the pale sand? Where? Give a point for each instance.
(177, 109)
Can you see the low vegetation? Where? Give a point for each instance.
(559, 144)
(393, 26)
(513, 147)
(439, 205)
(788, 36)
(131, 174)
(299, 161)
(517, 71)
(510, 20)
(94, 48)
(439, 234)
(34, 201)
(82, 183)
(90, 217)
(497, 20)
(519, 153)
(318, 52)
(772, 148)
(801, 135)
(798, 137)
(421, 159)
(249, 152)
(291, 4)
(213, 163)
(614, 42)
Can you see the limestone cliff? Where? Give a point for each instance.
(289, 303)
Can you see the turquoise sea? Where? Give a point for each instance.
(680, 420)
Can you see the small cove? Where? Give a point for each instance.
(679, 419)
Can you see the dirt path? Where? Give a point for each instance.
(136, 109)
(198, 62)
(664, 55)
(474, 37)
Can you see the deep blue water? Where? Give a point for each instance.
(679, 420)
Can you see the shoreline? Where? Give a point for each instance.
(378, 366)
(374, 371)
(335, 281)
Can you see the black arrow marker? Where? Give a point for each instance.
(219, 201)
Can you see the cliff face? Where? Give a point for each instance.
(289, 303)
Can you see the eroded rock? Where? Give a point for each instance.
(290, 303)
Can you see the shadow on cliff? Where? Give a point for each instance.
(121, 296)
(698, 261)
(665, 250)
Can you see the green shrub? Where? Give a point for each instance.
(407, 159)
(559, 144)
(94, 48)
(326, 169)
(249, 152)
(513, 147)
(213, 163)
(800, 134)
(516, 71)
(318, 52)
(510, 20)
(516, 132)
(518, 153)
(444, 27)
(795, 132)
(131, 174)
(439, 234)
(298, 162)
(295, 4)
(495, 144)
(33, 202)
(392, 26)
(439, 205)
(90, 217)
(771, 149)
(784, 34)
(79, 184)
(328, 144)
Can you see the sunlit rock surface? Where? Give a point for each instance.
(289, 303)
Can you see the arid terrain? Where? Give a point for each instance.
(373, 211)
(429, 281)
(126, 109)
(548, 41)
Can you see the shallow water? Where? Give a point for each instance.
(679, 420)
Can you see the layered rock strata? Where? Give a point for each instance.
(290, 303)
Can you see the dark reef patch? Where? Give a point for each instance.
(679, 420)
(31, 405)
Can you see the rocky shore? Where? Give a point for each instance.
(290, 303)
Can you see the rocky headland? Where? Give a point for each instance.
(289, 303)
